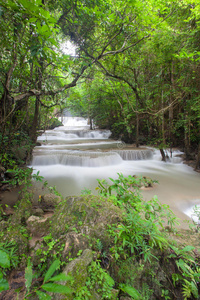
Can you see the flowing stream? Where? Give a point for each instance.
(72, 158)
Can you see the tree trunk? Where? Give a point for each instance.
(162, 152)
(197, 167)
(137, 130)
(171, 109)
(186, 136)
(163, 123)
(33, 131)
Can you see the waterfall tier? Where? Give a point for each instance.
(141, 154)
(67, 135)
(77, 158)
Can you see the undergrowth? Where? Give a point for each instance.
(140, 261)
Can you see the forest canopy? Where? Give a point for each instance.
(136, 70)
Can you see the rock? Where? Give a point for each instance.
(2, 172)
(38, 144)
(38, 212)
(8, 210)
(77, 268)
(74, 242)
(88, 215)
(2, 169)
(38, 226)
(49, 201)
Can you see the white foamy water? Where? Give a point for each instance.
(72, 158)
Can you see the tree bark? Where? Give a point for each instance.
(162, 152)
(34, 127)
(197, 167)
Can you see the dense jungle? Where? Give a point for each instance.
(131, 67)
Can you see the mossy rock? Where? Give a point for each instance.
(23, 210)
(49, 201)
(86, 215)
(74, 242)
(77, 269)
(84, 211)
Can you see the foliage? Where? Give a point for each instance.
(137, 251)
(140, 234)
(4, 263)
(196, 216)
(97, 280)
(51, 123)
(135, 63)
(8, 259)
(49, 282)
(189, 271)
(125, 188)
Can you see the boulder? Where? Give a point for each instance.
(77, 268)
(38, 226)
(49, 201)
(87, 215)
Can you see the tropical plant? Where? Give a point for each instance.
(49, 284)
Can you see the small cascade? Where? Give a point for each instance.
(172, 157)
(74, 122)
(77, 158)
(142, 154)
(74, 134)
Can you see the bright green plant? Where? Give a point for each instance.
(8, 259)
(131, 291)
(125, 189)
(51, 249)
(139, 233)
(4, 264)
(137, 236)
(49, 283)
(86, 192)
(189, 271)
(100, 279)
(165, 294)
(11, 249)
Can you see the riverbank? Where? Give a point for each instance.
(93, 235)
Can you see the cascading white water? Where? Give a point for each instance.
(142, 154)
(77, 158)
(72, 158)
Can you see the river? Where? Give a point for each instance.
(72, 158)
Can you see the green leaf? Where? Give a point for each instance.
(131, 291)
(4, 286)
(28, 276)
(43, 296)
(61, 277)
(109, 280)
(194, 289)
(32, 20)
(51, 270)
(188, 248)
(56, 288)
(4, 259)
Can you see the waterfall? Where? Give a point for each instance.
(142, 154)
(72, 158)
(77, 158)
